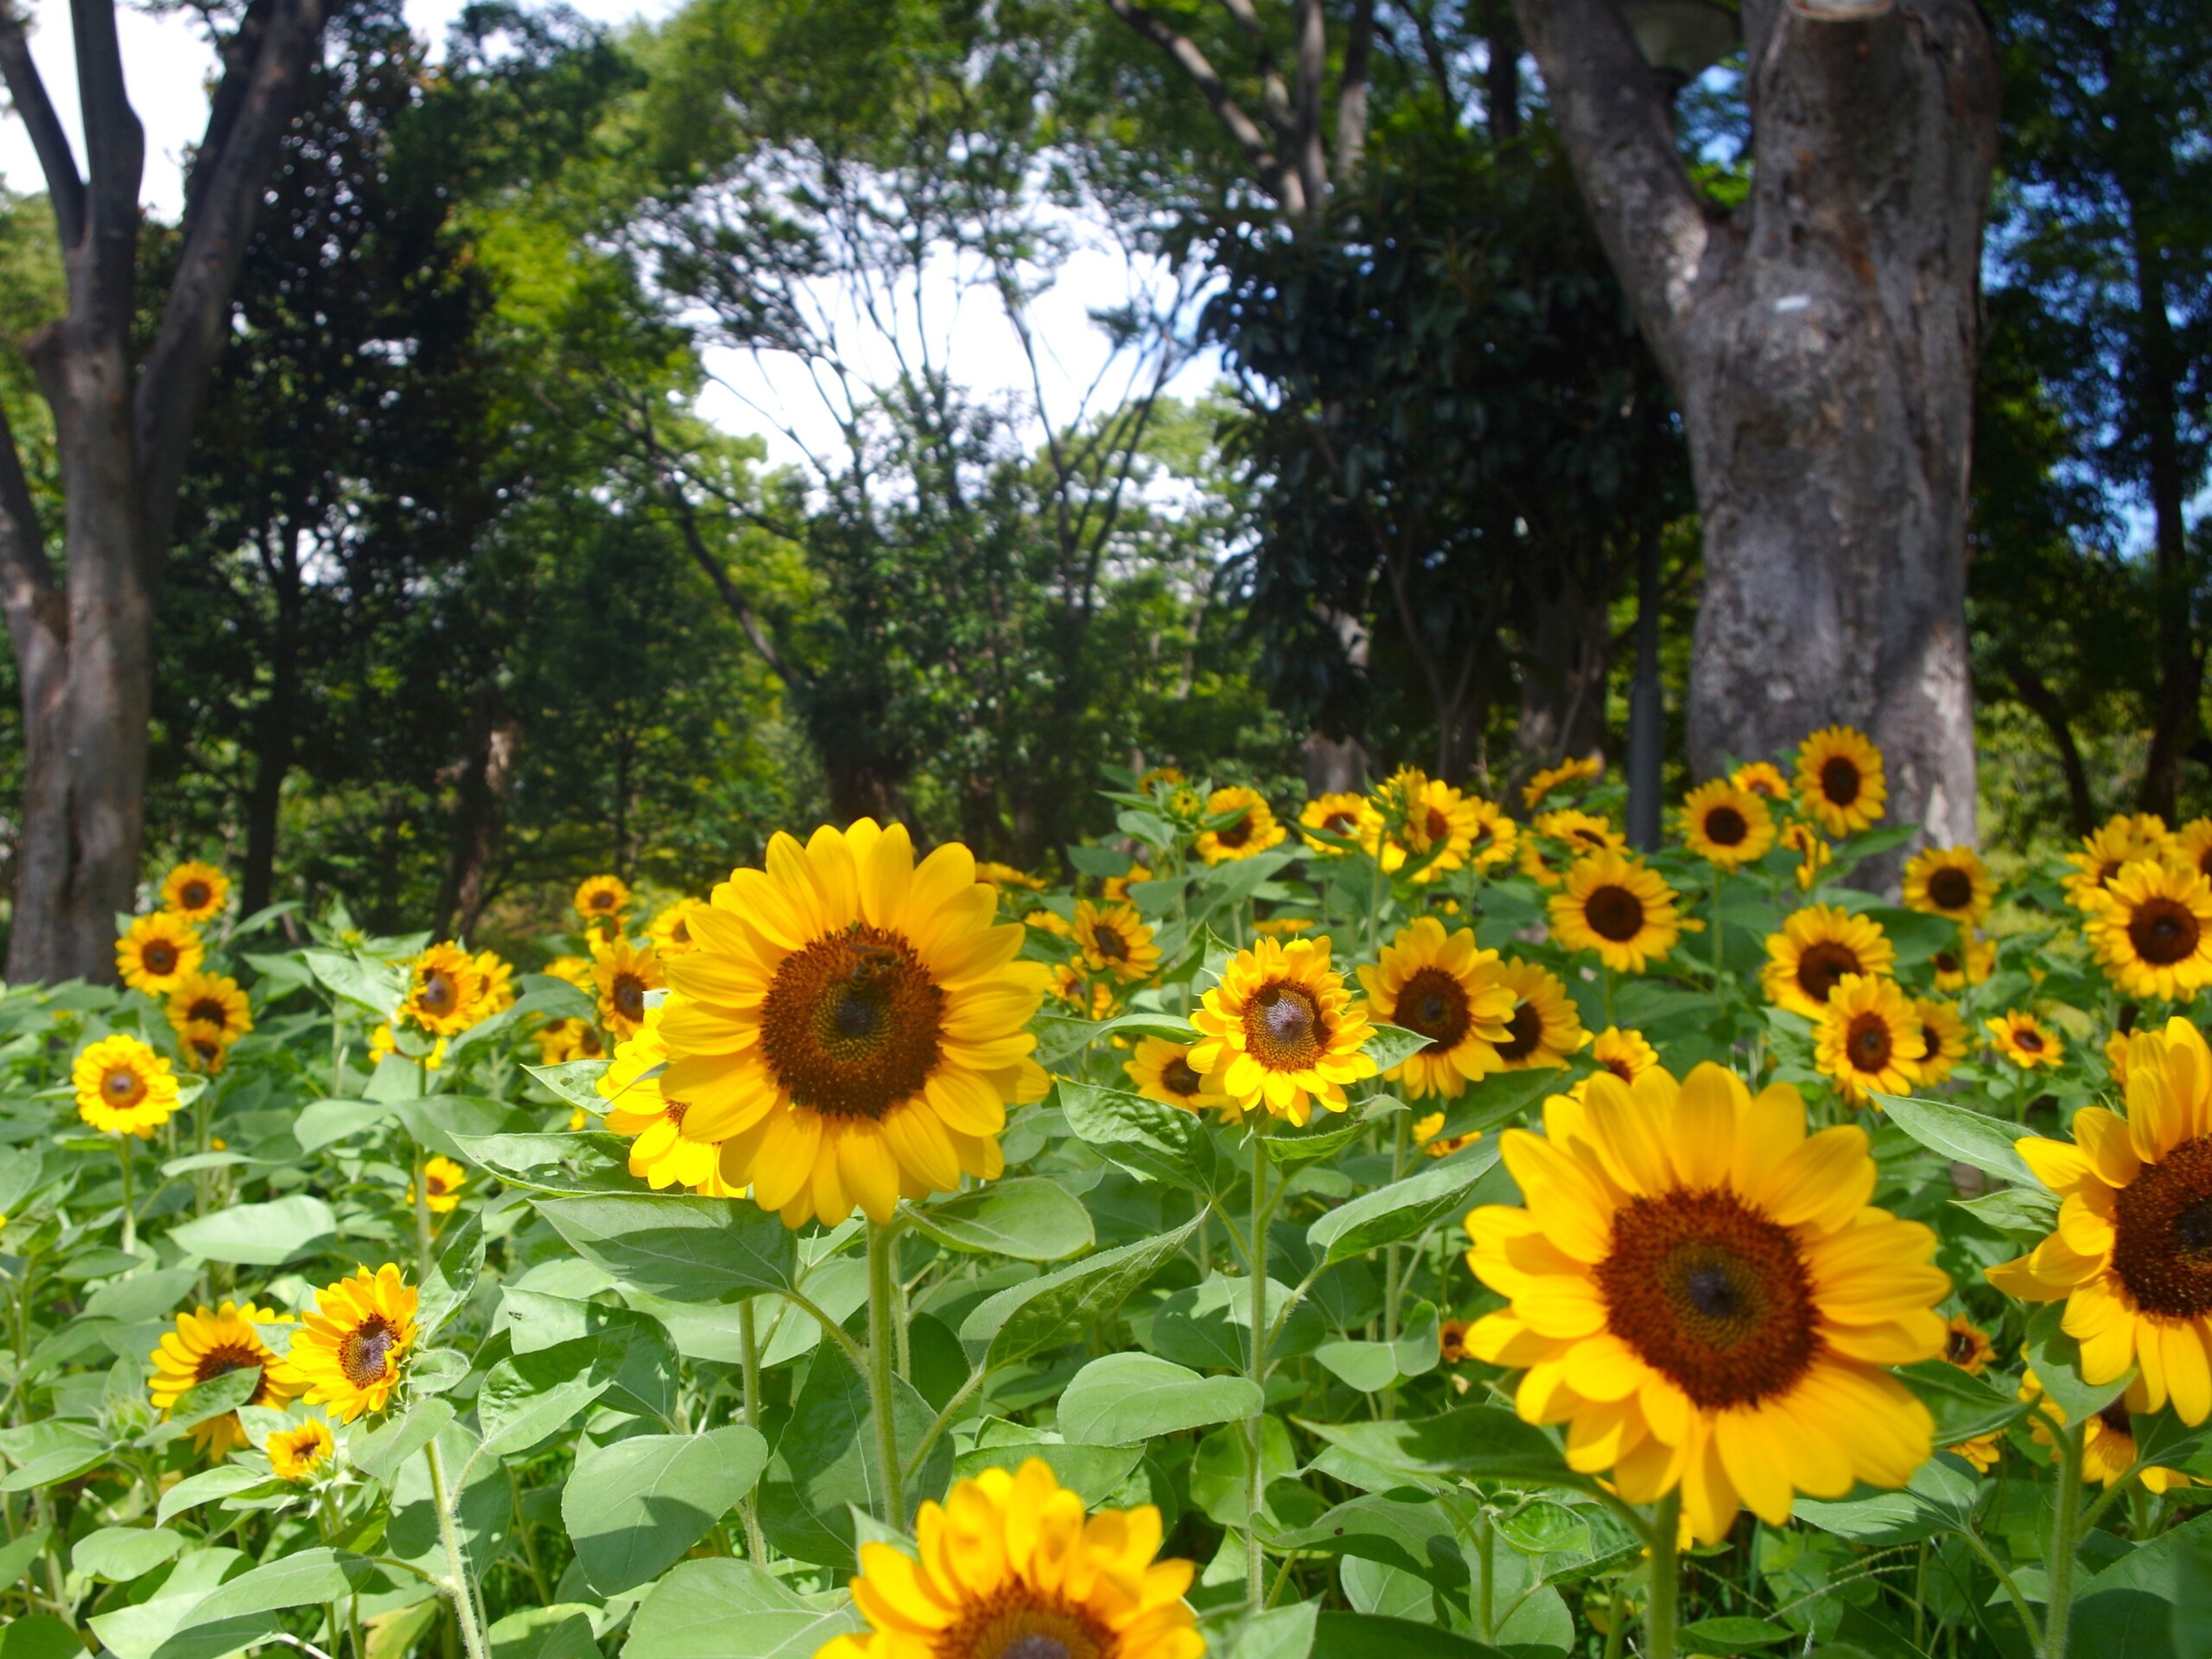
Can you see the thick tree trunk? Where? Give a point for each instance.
(1565, 658)
(479, 823)
(1821, 343)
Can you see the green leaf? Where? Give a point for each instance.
(324, 1123)
(1401, 1210)
(2026, 1215)
(1304, 1147)
(1094, 1473)
(434, 1121)
(446, 1288)
(217, 1397)
(224, 1480)
(725, 1609)
(1373, 1635)
(1028, 1317)
(634, 1509)
(687, 1249)
(574, 1081)
(1126, 1398)
(1499, 1098)
(1394, 1045)
(379, 1453)
(18, 1553)
(1279, 1633)
(258, 1235)
(146, 1295)
(371, 985)
(45, 1454)
(39, 1635)
(242, 1611)
(134, 1632)
(122, 1554)
(1152, 1141)
(1964, 1406)
(1734, 1633)
(1059, 1035)
(1370, 1367)
(1963, 1136)
(2192, 1593)
(1028, 1218)
(825, 1463)
(559, 1163)
(1473, 1442)
(2056, 1358)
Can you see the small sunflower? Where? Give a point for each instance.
(442, 1179)
(2116, 1059)
(1282, 927)
(1451, 1341)
(205, 1345)
(352, 1350)
(2025, 1040)
(1970, 964)
(1452, 993)
(1813, 854)
(625, 973)
(1946, 1036)
(1623, 1054)
(1761, 778)
(1114, 939)
(1950, 881)
(670, 930)
(1544, 862)
(1967, 1346)
(561, 1041)
(1428, 1135)
(205, 1046)
(1254, 830)
(1702, 1294)
(498, 977)
(1093, 998)
(1160, 778)
(158, 953)
(196, 891)
(1005, 878)
(2125, 839)
(1491, 844)
(1416, 819)
(603, 898)
(1052, 922)
(1340, 815)
(1869, 1038)
(661, 1154)
(1011, 1567)
(1544, 1029)
(1726, 825)
(2108, 1438)
(1280, 1029)
(1567, 771)
(2192, 845)
(295, 1454)
(2151, 929)
(1840, 779)
(1583, 832)
(212, 1000)
(445, 991)
(1162, 1071)
(124, 1087)
(1117, 887)
(1982, 1452)
(382, 1045)
(1622, 909)
(1817, 946)
(576, 970)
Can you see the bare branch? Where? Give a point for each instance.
(65, 186)
(1313, 58)
(1351, 93)
(1267, 167)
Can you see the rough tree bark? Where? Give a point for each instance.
(83, 642)
(481, 785)
(1821, 341)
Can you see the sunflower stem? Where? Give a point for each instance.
(423, 1237)
(881, 1350)
(456, 1586)
(1718, 876)
(130, 1206)
(1664, 1606)
(1256, 1369)
(2065, 1523)
(756, 1544)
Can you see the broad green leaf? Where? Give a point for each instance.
(1416, 1538)
(452, 1277)
(825, 1464)
(1029, 1218)
(258, 1235)
(1370, 1367)
(224, 1480)
(2192, 1592)
(242, 1610)
(1094, 1473)
(574, 1081)
(39, 1635)
(122, 1554)
(1963, 1406)
(725, 1609)
(1734, 1634)
(134, 1632)
(1325, 1141)
(687, 1249)
(325, 1122)
(1152, 1141)
(150, 1294)
(218, 1396)
(379, 1453)
(371, 985)
(1220, 1470)
(2026, 1215)
(435, 1122)
(1125, 1398)
(1059, 1035)
(1393, 1045)
(1284, 1632)
(1209, 1325)
(1373, 1635)
(18, 1553)
(1403, 1208)
(1500, 1099)
(560, 1163)
(2056, 1358)
(46, 1454)
(1025, 1318)
(633, 1509)
(1476, 1442)
(1962, 1135)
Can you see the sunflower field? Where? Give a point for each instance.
(1398, 1225)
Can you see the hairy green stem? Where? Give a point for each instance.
(882, 1351)
(1256, 1369)
(457, 1587)
(1664, 1609)
(2065, 1536)
(756, 1543)
(130, 1205)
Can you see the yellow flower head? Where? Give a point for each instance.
(1282, 1030)
(1945, 1036)
(1160, 778)
(442, 1179)
(2124, 839)
(297, 1453)
(205, 1046)
(1282, 927)
(1982, 1452)
(1817, 946)
(855, 1023)
(1093, 998)
(1343, 815)
(196, 891)
(1567, 771)
(1967, 1346)
(603, 898)
(1114, 940)
(158, 953)
(382, 1045)
(2151, 929)
(2116, 1059)
(1840, 780)
(1971, 964)
(1813, 854)
(1451, 992)
(445, 991)
(576, 970)
(1728, 825)
(1010, 1567)
(2192, 845)
(1451, 1341)
(498, 974)
(1950, 881)
(1761, 778)
(1254, 830)
(2025, 1040)
(1701, 1292)
(1869, 1038)
(1050, 921)
(2108, 1438)
(562, 1040)
(1416, 819)
(624, 973)
(662, 1153)
(670, 931)
(1618, 907)
(1583, 832)
(203, 1346)
(1623, 1054)
(211, 999)
(124, 1087)
(352, 1350)
(1544, 1030)
(1162, 1071)
(1117, 887)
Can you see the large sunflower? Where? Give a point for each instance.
(1950, 881)
(853, 1024)
(1162, 1071)
(1869, 1038)
(1114, 939)
(662, 1153)
(445, 991)
(443, 1179)
(1544, 1028)
(1010, 1567)
(1702, 1295)
(1945, 1035)
(210, 999)
(1254, 830)
(1619, 908)
(124, 1087)
(1971, 963)
(1840, 779)
(2105, 852)
(1726, 825)
(625, 973)
(670, 931)
(1453, 994)
(2025, 1040)
(1761, 778)
(1551, 777)
(1817, 946)
(158, 952)
(1280, 1029)
(205, 1345)
(1342, 814)
(352, 1348)
(603, 898)
(2151, 928)
(297, 1453)
(196, 891)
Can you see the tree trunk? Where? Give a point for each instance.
(274, 726)
(1821, 342)
(1565, 659)
(479, 820)
(2181, 669)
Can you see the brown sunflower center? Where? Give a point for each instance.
(673, 1110)
(602, 900)
(1524, 1032)
(1613, 913)
(440, 993)
(194, 894)
(1438, 825)
(209, 1009)
(1868, 1042)
(1931, 1043)
(1106, 939)
(628, 996)
(1946, 962)
(852, 1023)
(1619, 1068)
(365, 1352)
(1725, 826)
(1587, 835)
(435, 1183)
(1177, 1078)
(1840, 779)
(123, 1086)
(1340, 822)
(1433, 1003)
(2115, 1421)
(1961, 1347)
(1237, 834)
(159, 957)
(590, 1044)
(1823, 965)
(1713, 1294)
(2027, 1038)
(680, 933)
(1950, 888)
(2163, 931)
(1282, 1026)
(1021, 1623)
(2162, 1233)
(229, 1356)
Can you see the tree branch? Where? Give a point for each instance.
(2040, 699)
(1351, 93)
(65, 186)
(1267, 167)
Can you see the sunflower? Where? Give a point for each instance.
(1623, 1054)
(1340, 815)
(1494, 835)
(625, 973)
(670, 931)
(1543, 863)
(1005, 878)
(661, 1154)
(1761, 778)
(1452, 993)
(561, 1041)
(1617, 907)
(1817, 946)
(1551, 777)
(1840, 779)
(2125, 839)
(1726, 825)
(382, 1045)
(1280, 1029)
(1544, 1028)
(158, 953)
(1114, 939)
(1010, 1567)
(1950, 881)
(2025, 1040)
(445, 991)
(2108, 1438)
(1451, 1341)
(498, 977)
(1583, 832)
(1813, 854)
(442, 1179)
(1282, 927)
(1416, 819)
(1970, 964)
(1162, 1071)
(1160, 777)
(1094, 999)
(1428, 1135)
(1701, 1292)
(1869, 1038)
(576, 970)
(853, 1024)
(2116, 1059)
(2151, 928)
(1117, 887)
(2192, 845)
(1967, 1346)
(297, 1453)
(204, 1346)
(1052, 922)
(1982, 1452)
(196, 891)
(350, 1352)
(1946, 1037)
(124, 1087)
(603, 898)
(205, 1046)
(1252, 830)
(212, 999)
